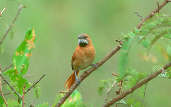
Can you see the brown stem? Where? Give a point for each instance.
(12, 24)
(5, 101)
(23, 97)
(152, 13)
(138, 85)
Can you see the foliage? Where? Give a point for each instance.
(75, 100)
(149, 36)
(12, 103)
(21, 62)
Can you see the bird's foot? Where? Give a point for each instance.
(77, 81)
(94, 65)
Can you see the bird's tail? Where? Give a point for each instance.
(70, 81)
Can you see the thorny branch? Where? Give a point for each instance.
(12, 23)
(138, 85)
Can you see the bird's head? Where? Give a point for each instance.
(83, 40)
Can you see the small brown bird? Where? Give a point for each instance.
(83, 57)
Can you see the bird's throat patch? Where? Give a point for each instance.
(82, 42)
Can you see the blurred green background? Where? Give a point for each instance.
(57, 24)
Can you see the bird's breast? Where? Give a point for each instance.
(84, 57)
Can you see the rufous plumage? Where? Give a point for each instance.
(83, 57)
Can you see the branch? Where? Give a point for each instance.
(12, 24)
(87, 73)
(35, 83)
(5, 101)
(153, 13)
(100, 63)
(10, 86)
(138, 85)
(23, 97)
(8, 67)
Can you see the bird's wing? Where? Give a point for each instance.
(73, 59)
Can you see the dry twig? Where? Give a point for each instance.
(5, 101)
(12, 24)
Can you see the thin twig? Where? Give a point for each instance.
(5, 101)
(8, 67)
(152, 13)
(2, 11)
(35, 83)
(138, 85)
(31, 105)
(12, 23)
(23, 97)
(87, 73)
(10, 86)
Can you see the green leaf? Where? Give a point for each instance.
(1, 101)
(123, 58)
(22, 55)
(169, 50)
(21, 61)
(75, 100)
(104, 84)
(12, 103)
(37, 92)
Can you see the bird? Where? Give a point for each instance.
(82, 58)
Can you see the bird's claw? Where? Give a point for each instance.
(77, 81)
(94, 65)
